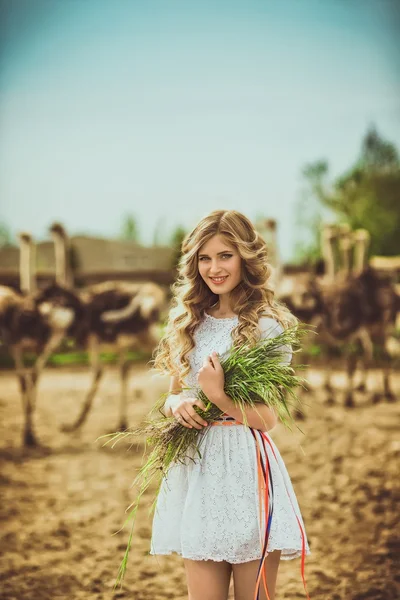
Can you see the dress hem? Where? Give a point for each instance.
(290, 554)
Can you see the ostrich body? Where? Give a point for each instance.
(120, 316)
(31, 321)
(117, 315)
(346, 306)
(360, 310)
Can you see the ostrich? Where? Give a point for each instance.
(117, 315)
(337, 324)
(304, 294)
(345, 243)
(386, 303)
(12, 303)
(346, 307)
(32, 321)
(268, 229)
(361, 240)
(27, 264)
(359, 306)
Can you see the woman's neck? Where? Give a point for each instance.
(221, 308)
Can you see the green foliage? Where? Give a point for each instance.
(5, 235)
(310, 214)
(177, 238)
(72, 358)
(315, 350)
(308, 224)
(366, 196)
(129, 229)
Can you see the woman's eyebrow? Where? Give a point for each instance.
(218, 253)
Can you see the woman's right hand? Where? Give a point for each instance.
(184, 412)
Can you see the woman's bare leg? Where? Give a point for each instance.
(207, 579)
(245, 575)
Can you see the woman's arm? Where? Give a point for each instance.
(178, 407)
(261, 417)
(175, 388)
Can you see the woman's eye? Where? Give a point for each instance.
(225, 256)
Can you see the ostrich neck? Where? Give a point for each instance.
(274, 257)
(345, 251)
(360, 253)
(27, 273)
(329, 256)
(61, 258)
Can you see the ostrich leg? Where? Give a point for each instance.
(387, 371)
(124, 366)
(98, 370)
(351, 369)
(367, 357)
(29, 439)
(53, 343)
(328, 387)
(25, 384)
(362, 386)
(387, 391)
(387, 394)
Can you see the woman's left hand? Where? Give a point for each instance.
(211, 377)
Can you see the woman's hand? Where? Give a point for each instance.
(184, 413)
(211, 377)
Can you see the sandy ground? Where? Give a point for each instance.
(60, 504)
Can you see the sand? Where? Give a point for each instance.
(61, 503)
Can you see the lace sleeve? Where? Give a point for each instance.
(270, 328)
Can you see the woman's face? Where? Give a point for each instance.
(219, 265)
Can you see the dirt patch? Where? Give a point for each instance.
(60, 504)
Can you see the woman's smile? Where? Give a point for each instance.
(219, 280)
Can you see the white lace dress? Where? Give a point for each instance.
(210, 509)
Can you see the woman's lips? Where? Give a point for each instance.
(218, 280)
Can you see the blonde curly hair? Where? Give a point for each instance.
(251, 298)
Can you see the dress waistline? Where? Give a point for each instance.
(225, 419)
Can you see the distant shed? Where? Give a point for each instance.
(93, 260)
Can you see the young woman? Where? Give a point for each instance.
(209, 510)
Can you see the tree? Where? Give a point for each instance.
(308, 226)
(310, 213)
(177, 238)
(129, 229)
(5, 235)
(367, 195)
(159, 232)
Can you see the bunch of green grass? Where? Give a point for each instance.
(252, 375)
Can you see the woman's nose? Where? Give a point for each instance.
(215, 268)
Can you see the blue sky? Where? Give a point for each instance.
(171, 109)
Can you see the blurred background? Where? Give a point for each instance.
(123, 124)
